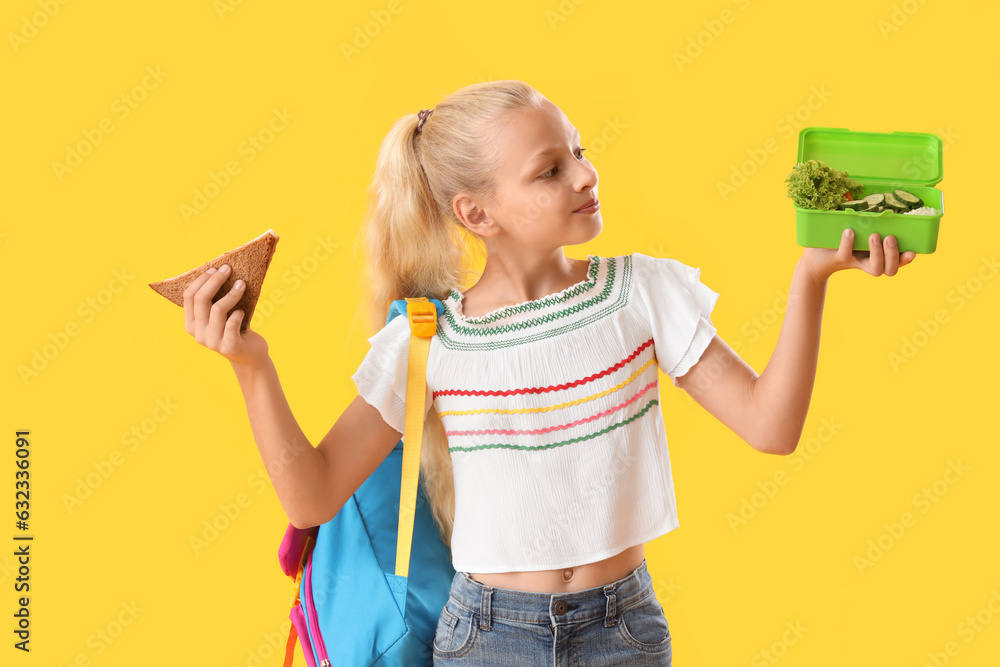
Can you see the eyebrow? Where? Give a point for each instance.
(547, 151)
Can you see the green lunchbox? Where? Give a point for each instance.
(882, 162)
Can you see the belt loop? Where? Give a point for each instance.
(486, 610)
(610, 617)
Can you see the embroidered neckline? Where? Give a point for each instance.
(605, 292)
(458, 298)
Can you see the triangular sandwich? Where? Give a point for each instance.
(249, 262)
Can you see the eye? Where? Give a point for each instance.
(552, 172)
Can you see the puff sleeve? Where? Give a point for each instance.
(679, 307)
(381, 377)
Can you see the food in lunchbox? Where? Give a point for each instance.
(924, 210)
(875, 199)
(908, 198)
(897, 201)
(812, 184)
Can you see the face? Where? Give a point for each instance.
(543, 179)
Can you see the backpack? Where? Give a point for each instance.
(356, 597)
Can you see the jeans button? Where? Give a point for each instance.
(561, 607)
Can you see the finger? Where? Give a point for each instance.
(907, 257)
(846, 244)
(189, 293)
(203, 298)
(232, 335)
(891, 255)
(876, 261)
(220, 309)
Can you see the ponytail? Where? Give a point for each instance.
(414, 245)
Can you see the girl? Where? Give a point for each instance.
(545, 457)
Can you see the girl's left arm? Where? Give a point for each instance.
(768, 411)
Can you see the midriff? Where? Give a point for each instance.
(568, 579)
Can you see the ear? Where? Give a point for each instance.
(473, 216)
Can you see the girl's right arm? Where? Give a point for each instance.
(312, 483)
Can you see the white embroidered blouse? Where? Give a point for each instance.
(557, 439)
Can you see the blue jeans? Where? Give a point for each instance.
(621, 623)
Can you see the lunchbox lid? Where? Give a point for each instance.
(876, 157)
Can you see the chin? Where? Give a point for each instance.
(595, 228)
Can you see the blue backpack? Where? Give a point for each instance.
(357, 601)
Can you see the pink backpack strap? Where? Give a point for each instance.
(290, 553)
(293, 553)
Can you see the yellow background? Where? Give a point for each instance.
(671, 134)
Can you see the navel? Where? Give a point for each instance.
(568, 573)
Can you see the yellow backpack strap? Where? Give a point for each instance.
(423, 324)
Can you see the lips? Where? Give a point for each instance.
(591, 202)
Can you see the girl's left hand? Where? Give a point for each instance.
(883, 257)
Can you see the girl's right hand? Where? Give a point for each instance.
(208, 324)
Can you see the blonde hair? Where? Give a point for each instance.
(414, 245)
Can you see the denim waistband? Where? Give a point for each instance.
(605, 601)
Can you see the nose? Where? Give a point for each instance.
(586, 178)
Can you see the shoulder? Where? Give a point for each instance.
(392, 336)
(660, 270)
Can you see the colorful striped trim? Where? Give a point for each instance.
(542, 390)
(560, 427)
(582, 438)
(521, 411)
(456, 333)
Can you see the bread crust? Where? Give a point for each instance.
(249, 262)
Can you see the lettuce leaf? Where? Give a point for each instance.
(813, 184)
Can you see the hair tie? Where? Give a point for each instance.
(423, 116)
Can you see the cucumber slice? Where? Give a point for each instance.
(855, 205)
(893, 203)
(875, 199)
(911, 200)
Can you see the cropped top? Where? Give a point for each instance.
(551, 410)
